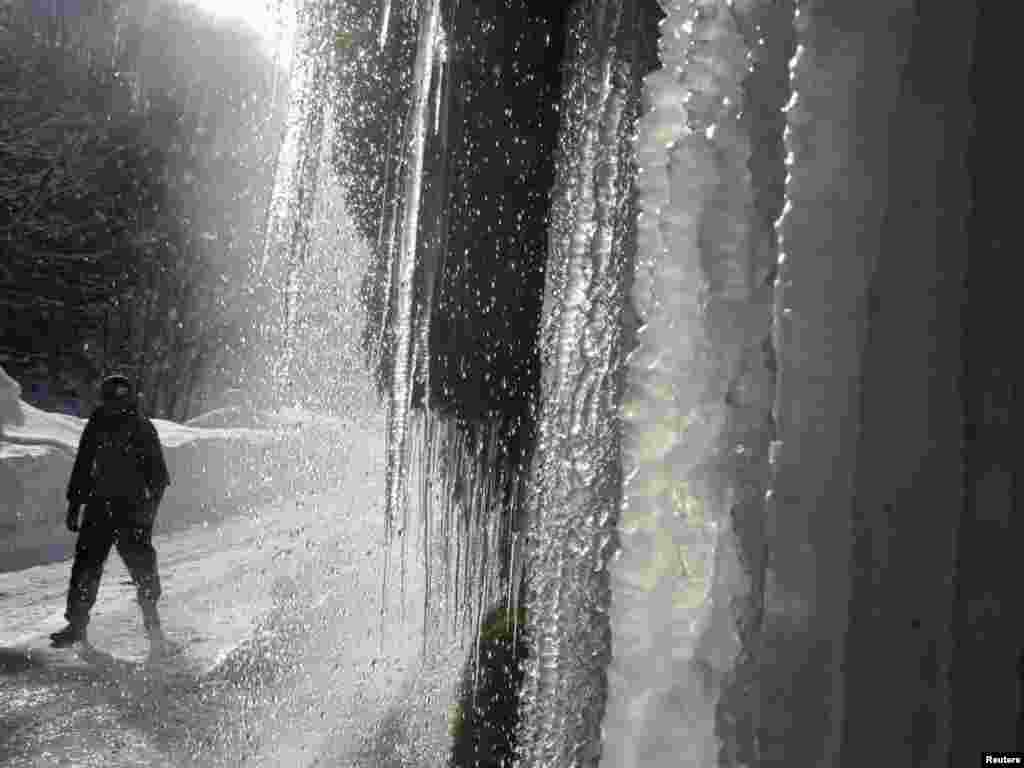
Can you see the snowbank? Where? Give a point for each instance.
(10, 391)
(214, 472)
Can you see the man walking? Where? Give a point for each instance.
(120, 477)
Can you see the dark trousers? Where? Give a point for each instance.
(106, 523)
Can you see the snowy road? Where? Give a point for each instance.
(280, 607)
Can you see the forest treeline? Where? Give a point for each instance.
(138, 141)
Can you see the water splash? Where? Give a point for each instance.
(288, 234)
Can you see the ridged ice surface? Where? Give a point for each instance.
(575, 477)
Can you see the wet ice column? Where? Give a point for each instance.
(575, 478)
(692, 275)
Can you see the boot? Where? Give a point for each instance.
(68, 636)
(157, 641)
(155, 633)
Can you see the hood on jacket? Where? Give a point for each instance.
(117, 393)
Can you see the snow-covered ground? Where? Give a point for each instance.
(288, 660)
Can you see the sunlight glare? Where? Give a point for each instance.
(270, 18)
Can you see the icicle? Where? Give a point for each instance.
(513, 590)
(426, 465)
(389, 151)
(422, 352)
(477, 634)
(446, 516)
(401, 390)
(439, 78)
(382, 36)
(390, 260)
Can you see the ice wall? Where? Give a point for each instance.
(932, 511)
(845, 81)
(988, 628)
(766, 572)
(757, 485)
(699, 387)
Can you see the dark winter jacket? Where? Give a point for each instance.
(146, 443)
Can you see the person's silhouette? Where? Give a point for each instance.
(120, 477)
